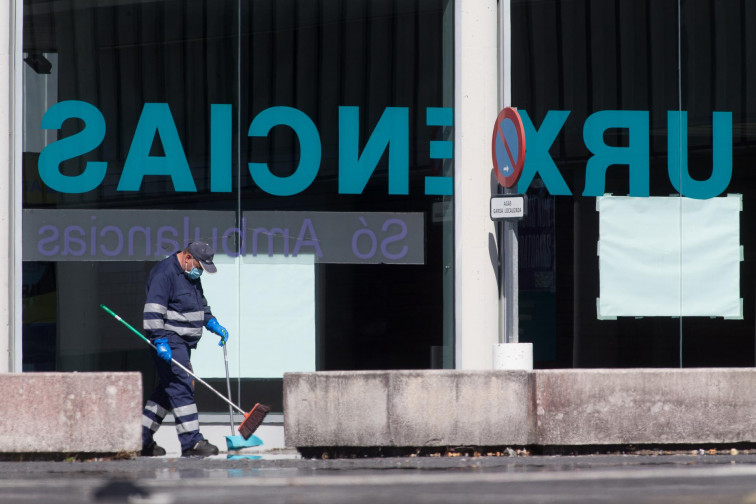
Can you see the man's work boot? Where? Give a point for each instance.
(201, 449)
(153, 450)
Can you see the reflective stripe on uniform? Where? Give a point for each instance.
(187, 426)
(151, 424)
(182, 411)
(154, 324)
(156, 408)
(195, 316)
(184, 331)
(155, 308)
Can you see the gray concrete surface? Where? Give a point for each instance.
(690, 478)
(408, 408)
(333, 408)
(572, 407)
(215, 428)
(439, 408)
(645, 406)
(71, 412)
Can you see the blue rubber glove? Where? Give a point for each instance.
(218, 329)
(163, 350)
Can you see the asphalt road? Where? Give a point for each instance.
(680, 478)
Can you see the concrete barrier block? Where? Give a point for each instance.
(474, 408)
(645, 406)
(348, 408)
(408, 408)
(71, 412)
(572, 407)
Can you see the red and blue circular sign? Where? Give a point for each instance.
(508, 147)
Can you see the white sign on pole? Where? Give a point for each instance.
(508, 206)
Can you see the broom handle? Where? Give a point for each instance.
(203, 382)
(228, 387)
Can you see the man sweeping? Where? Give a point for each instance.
(174, 314)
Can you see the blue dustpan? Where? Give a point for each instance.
(234, 442)
(238, 442)
(244, 457)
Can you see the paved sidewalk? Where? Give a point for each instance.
(284, 477)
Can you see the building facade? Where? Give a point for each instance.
(337, 155)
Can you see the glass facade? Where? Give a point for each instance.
(308, 142)
(672, 83)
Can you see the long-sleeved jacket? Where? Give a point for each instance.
(175, 304)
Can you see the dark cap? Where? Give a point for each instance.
(204, 254)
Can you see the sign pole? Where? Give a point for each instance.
(509, 267)
(508, 260)
(502, 287)
(508, 156)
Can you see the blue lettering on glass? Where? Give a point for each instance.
(146, 232)
(391, 132)
(677, 166)
(440, 149)
(365, 242)
(73, 146)
(309, 147)
(166, 245)
(394, 238)
(537, 158)
(69, 239)
(229, 250)
(372, 242)
(167, 242)
(118, 233)
(156, 119)
(635, 155)
(52, 237)
(307, 237)
(311, 242)
(270, 233)
(93, 238)
(221, 135)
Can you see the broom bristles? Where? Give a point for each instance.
(252, 420)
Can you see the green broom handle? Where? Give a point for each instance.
(203, 382)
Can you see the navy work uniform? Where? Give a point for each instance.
(175, 309)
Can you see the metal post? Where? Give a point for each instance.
(511, 280)
(508, 253)
(502, 287)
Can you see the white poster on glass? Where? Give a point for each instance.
(268, 306)
(669, 256)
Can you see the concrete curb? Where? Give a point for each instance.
(71, 413)
(645, 406)
(573, 407)
(408, 408)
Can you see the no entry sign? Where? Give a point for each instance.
(508, 147)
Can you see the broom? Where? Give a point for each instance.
(236, 442)
(252, 420)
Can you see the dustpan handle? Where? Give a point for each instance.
(228, 388)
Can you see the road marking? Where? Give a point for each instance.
(240, 477)
(420, 477)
